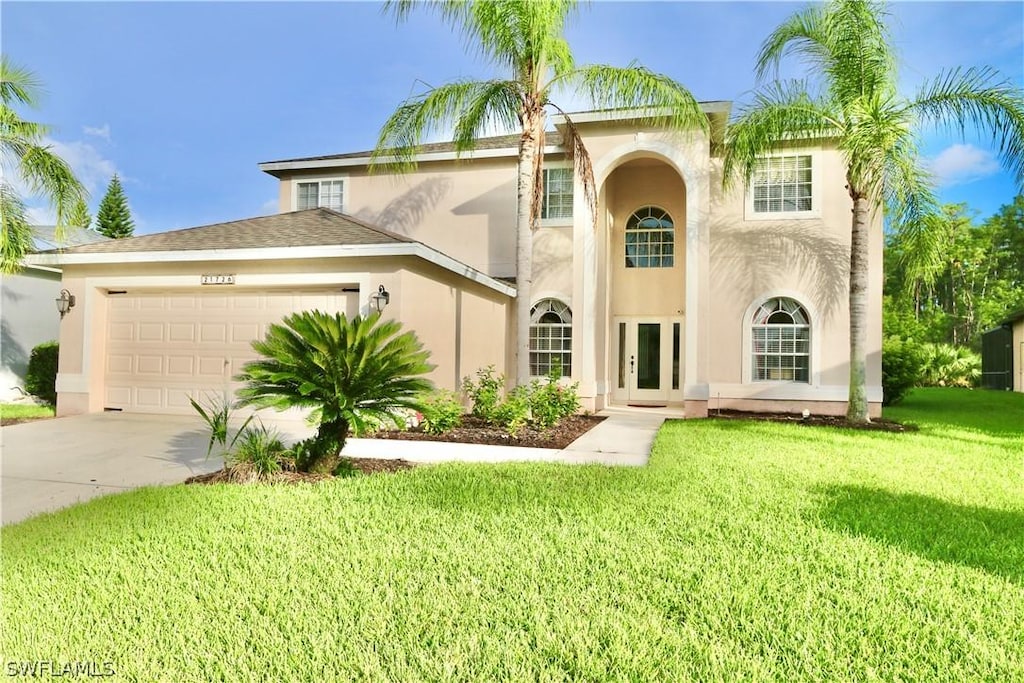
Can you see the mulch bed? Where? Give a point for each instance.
(364, 465)
(475, 430)
(877, 425)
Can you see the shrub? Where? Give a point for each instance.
(349, 371)
(485, 392)
(945, 365)
(901, 368)
(259, 449)
(442, 412)
(514, 412)
(217, 415)
(551, 402)
(41, 378)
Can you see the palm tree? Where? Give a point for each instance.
(23, 150)
(348, 371)
(524, 39)
(851, 97)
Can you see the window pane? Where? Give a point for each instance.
(782, 184)
(557, 196)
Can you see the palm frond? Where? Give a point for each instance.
(471, 106)
(49, 175)
(18, 84)
(779, 113)
(982, 98)
(576, 151)
(664, 100)
(800, 34)
(15, 231)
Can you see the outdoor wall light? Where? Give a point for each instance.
(65, 302)
(381, 299)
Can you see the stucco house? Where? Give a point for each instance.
(676, 293)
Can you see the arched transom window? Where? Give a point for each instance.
(650, 239)
(780, 335)
(550, 337)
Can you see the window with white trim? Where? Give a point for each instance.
(329, 194)
(783, 184)
(780, 342)
(550, 337)
(650, 239)
(557, 199)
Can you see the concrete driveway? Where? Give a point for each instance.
(50, 464)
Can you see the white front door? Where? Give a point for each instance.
(646, 354)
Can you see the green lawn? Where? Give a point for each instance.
(25, 411)
(744, 551)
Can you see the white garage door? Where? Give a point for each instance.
(163, 347)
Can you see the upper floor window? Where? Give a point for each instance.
(329, 194)
(780, 336)
(557, 200)
(650, 239)
(783, 184)
(550, 338)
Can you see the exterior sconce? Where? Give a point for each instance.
(381, 299)
(65, 302)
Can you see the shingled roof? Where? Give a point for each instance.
(309, 228)
(551, 138)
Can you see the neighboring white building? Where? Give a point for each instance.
(28, 314)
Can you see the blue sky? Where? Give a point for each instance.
(183, 100)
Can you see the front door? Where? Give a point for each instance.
(646, 360)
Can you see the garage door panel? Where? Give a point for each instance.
(181, 332)
(163, 348)
(150, 365)
(151, 332)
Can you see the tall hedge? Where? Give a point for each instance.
(41, 380)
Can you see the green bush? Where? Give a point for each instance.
(485, 392)
(217, 415)
(514, 412)
(901, 368)
(551, 402)
(41, 379)
(442, 412)
(945, 365)
(260, 449)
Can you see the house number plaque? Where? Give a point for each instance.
(218, 279)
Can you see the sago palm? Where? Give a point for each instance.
(347, 370)
(851, 97)
(524, 40)
(23, 152)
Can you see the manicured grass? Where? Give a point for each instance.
(749, 551)
(25, 411)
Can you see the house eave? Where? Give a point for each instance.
(277, 254)
(273, 167)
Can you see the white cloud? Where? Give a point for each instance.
(91, 167)
(270, 206)
(41, 215)
(960, 164)
(101, 132)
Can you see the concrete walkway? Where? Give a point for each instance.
(50, 464)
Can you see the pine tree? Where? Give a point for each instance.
(113, 219)
(80, 216)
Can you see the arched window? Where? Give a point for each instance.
(650, 239)
(550, 337)
(780, 342)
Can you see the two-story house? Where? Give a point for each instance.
(676, 293)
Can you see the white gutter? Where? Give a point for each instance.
(277, 253)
